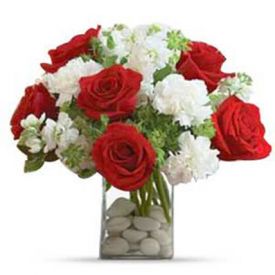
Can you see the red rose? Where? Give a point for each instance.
(75, 47)
(113, 92)
(202, 62)
(37, 100)
(124, 157)
(239, 131)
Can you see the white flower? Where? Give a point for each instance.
(148, 54)
(197, 155)
(116, 41)
(239, 85)
(30, 136)
(145, 93)
(60, 133)
(176, 169)
(186, 100)
(65, 82)
(32, 121)
(150, 51)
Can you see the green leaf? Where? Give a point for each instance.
(86, 173)
(110, 42)
(109, 61)
(96, 49)
(205, 129)
(177, 41)
(159, 75)
(51, 156)
(161, 130)
(24, 149)
(34, 162)
(85, 57)
(119, 27)
(104, 119)
(108, 186)
(154, 28)
(216, 99)
(123, 60)
(73, 156)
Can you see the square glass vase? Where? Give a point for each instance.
(138, 224)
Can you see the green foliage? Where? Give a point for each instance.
(109, 61)
(119, 27)
(34, 162)
(88, 127)
(216, 99)
(205, 129)
(123, 60)
(85, 57)
(73, 156)
(160, 129)
(110, 42)
(245, 78)
(159, 75)
(154, 28)
(86, 173)
(97, 50)
(176, 41)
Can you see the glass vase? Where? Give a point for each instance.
(138, 224)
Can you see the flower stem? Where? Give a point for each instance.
(150, 195)
(163, 196)
(164, 183)
(134, 199)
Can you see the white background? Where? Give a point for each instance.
(50, 220)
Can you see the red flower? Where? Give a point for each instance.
(37, 100)
(113, 92)
(75, 47)
(124, 157)
(203, 62)
(239, 131)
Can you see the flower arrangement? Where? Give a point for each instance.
(144, 107)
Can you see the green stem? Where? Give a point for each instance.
(142, 194)
(164, 183)
(162, 195)
(134, 198)
(155, 196)
(150, 195)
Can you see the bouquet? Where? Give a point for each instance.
(147, 108)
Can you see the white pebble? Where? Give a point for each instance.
(146, 224)
(165, 226)
(133, 236)
(166, 251)
(117, 224)
(115, 246)
(150, 247)
(134, 246)
(156, 212)
(121, 207)
(161, 236)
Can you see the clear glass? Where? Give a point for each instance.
(139, 224)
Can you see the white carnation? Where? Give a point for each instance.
(65, 82)
(60, 133)
(186, 100)
(176, 169)
(197, 155)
